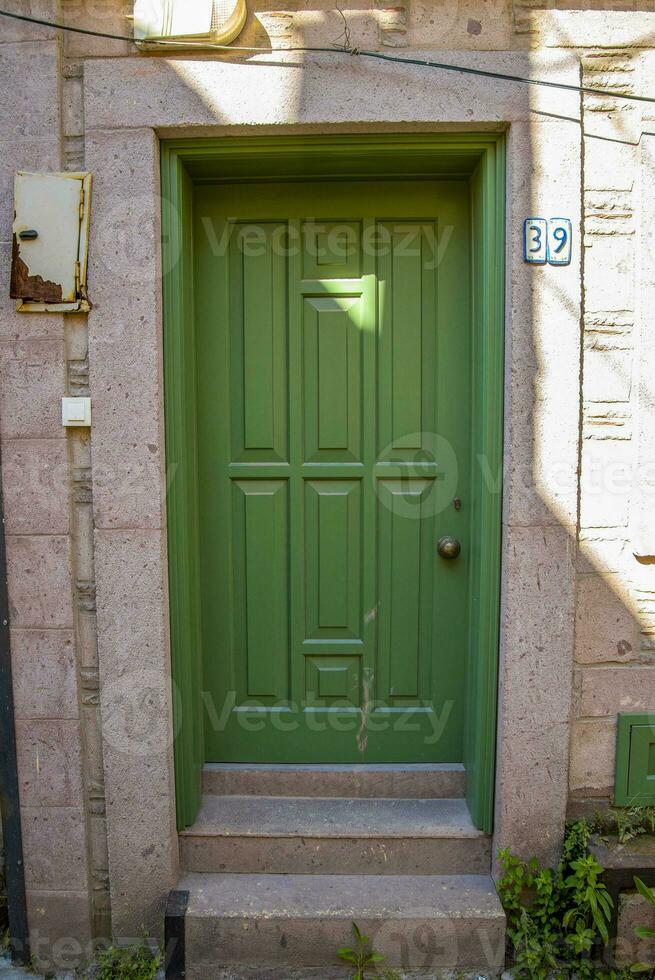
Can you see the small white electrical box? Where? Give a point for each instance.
(75, 411)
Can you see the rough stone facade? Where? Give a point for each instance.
(85, 514)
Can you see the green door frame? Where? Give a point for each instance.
(480, 158)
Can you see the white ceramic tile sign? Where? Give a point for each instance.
(559, 241)
(547, 240)
(535, 240)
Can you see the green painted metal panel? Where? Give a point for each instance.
(641, 779)
(333, 671)
(635, 760)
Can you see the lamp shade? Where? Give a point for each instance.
(214, 21)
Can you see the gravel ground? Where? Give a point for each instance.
(10, 972)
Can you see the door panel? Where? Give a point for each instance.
(333, 559)
(333, 372)
(258, 319)
(261, 583)
(405, 560)
(332, 341)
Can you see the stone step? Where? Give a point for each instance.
(416, 781)
(330, 835)
(274, 927)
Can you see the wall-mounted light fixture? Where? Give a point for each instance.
(191, 22)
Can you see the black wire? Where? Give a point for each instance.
(358, 52)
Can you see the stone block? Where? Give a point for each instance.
(592, 28)
(606, 691)
(609, 165)
(54, 847)
(109, 18)
(135, 691)
(542, 376)
(602, 552)
(474, 24)
(38, 572)
(593, 750)
(32, 110)
(541, 471)
(35, 486)
(60, 930)
(131, 601)
(16, 30)
(44, 673)
(607, 420)
(607, 375)
(535, 690)
(642, 508)
(22, 154)
(642, 576)
(646, 208)
(609, 281)
(634, 911)
(606, 483)
(19, 327)
(299, 24)
(179, 94)
(143, 860)
(49, 762)
(607, 629)
(73, 106)
(32, 374)
(125, 332)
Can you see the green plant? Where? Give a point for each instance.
(555, 916)
(136, 962)
(630, 822)
(362, 956)
(644, 932)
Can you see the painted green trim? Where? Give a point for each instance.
(488, 291)
(480, 156)
(182, 510)
(634, 785)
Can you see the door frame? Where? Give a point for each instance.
(480, 157)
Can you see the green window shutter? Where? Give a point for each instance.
(635, 760)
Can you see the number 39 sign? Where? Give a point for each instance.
(547, 241)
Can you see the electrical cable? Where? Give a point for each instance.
(351, 51)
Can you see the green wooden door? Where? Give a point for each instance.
(334, 412)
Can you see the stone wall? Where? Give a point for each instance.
(46, 489)
(61, 488)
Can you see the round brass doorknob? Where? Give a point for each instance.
(448, 547)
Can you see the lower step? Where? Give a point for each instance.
(269, 926)
(318, 835)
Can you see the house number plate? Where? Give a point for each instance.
(547, 240)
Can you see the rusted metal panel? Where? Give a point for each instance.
(194, 22)
(23, 285)
(50, 238)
